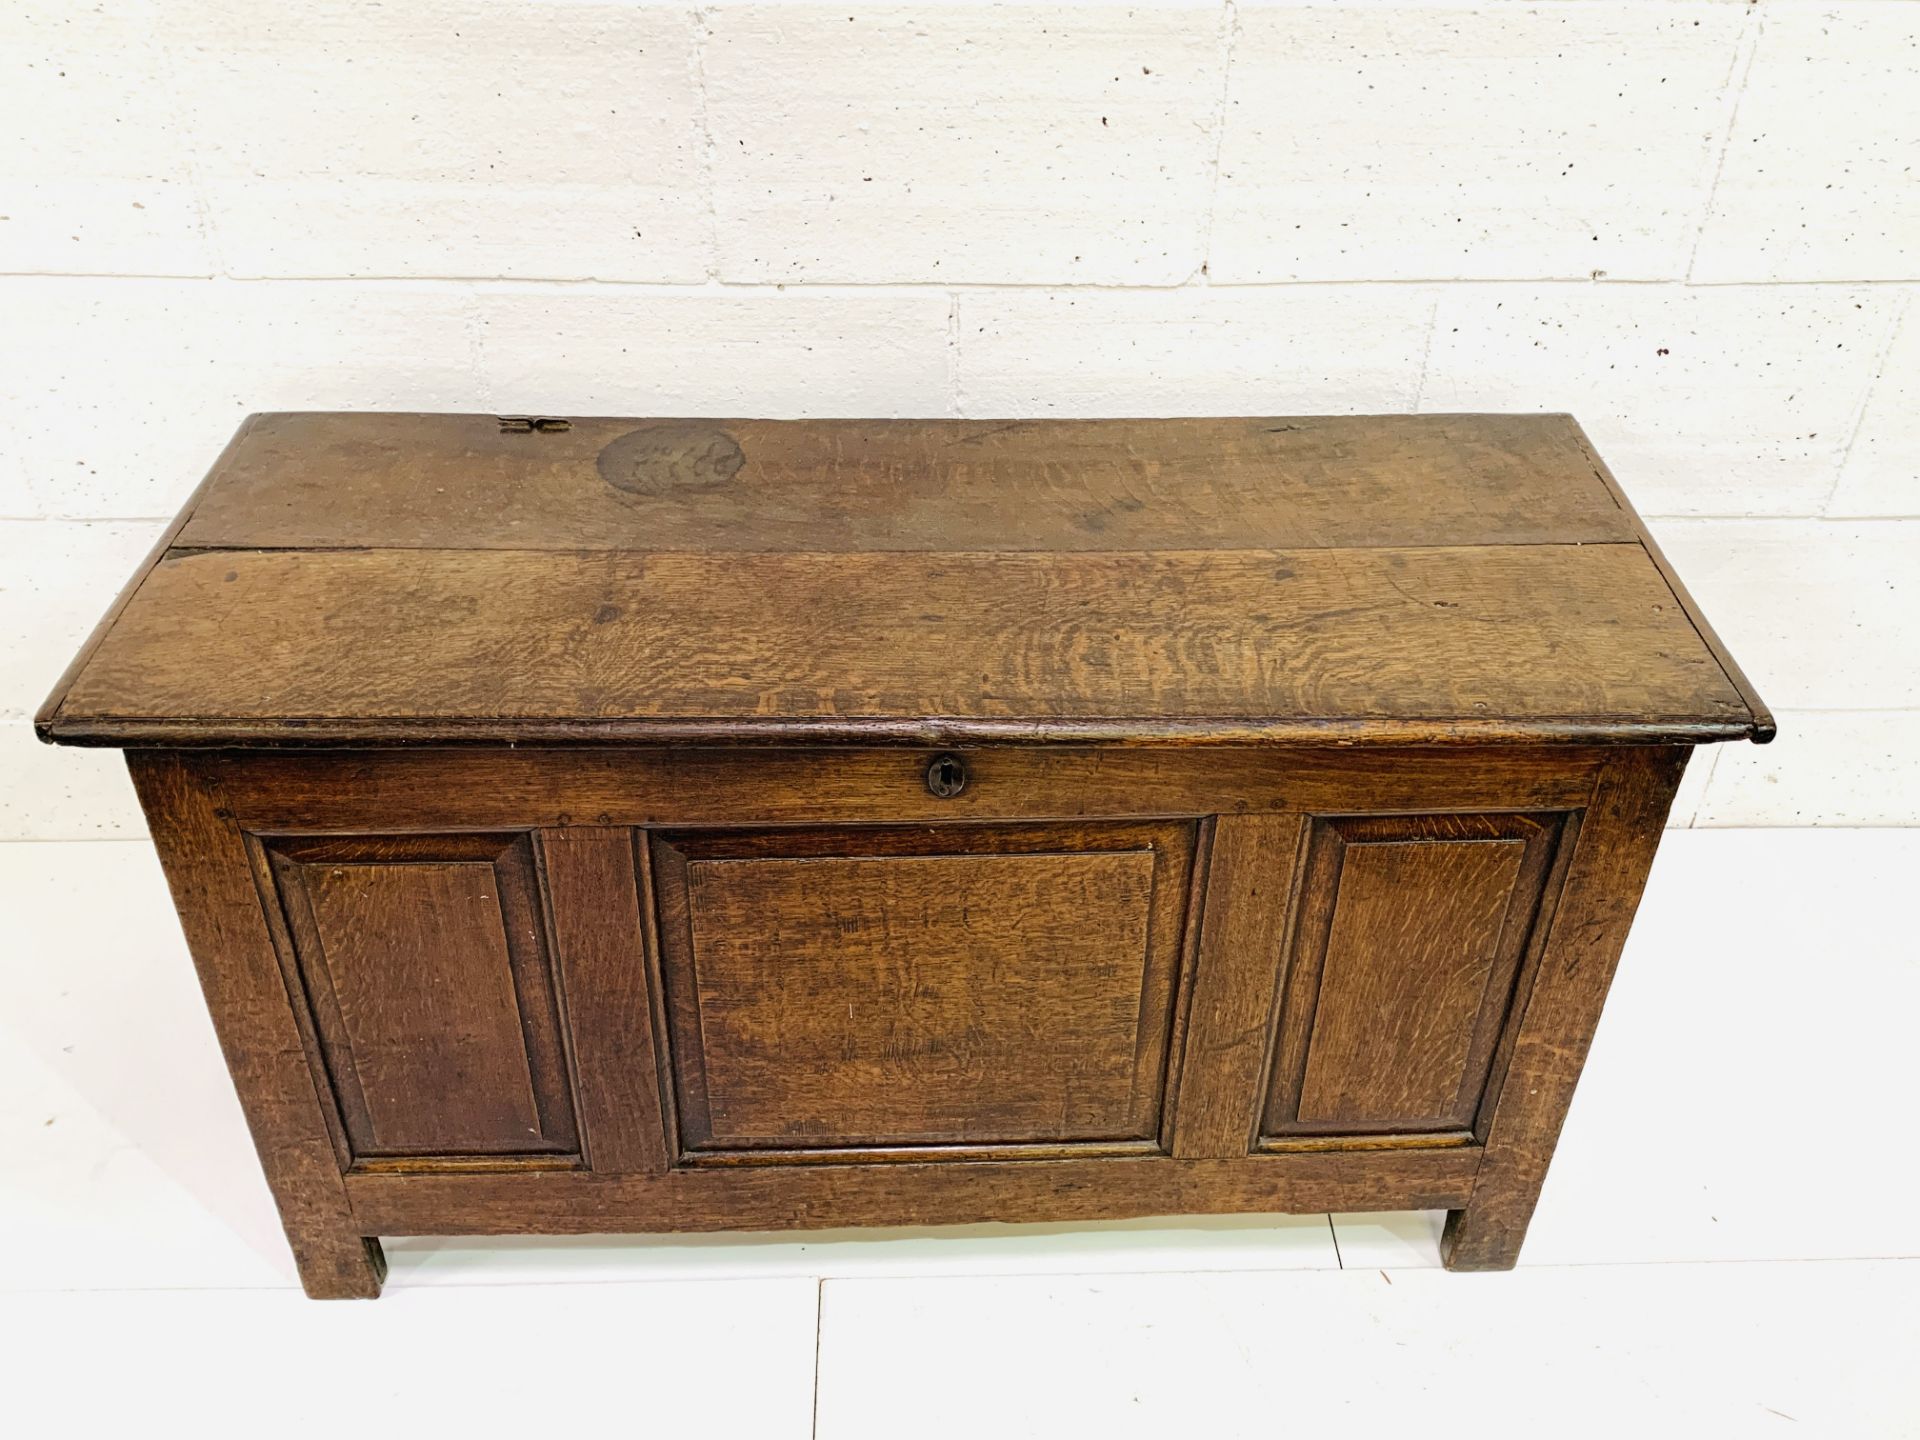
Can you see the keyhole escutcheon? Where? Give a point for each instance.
(946, 776)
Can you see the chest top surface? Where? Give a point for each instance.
(388, 578)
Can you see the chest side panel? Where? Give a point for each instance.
(1408, 938)
(422, 966)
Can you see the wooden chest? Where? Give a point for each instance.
(621, 825)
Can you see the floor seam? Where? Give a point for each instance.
(819, 1316)
(293, 1291)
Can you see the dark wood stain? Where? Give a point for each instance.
(665, 459)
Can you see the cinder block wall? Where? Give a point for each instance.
(1695, 225)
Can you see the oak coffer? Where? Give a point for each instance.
(600, 825)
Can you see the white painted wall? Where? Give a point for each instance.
(1693, 223)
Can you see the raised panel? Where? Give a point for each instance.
(952, 990)
(1405, 978)
(1408, 943)
(429, 1001)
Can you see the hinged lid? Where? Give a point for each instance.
(385, 578)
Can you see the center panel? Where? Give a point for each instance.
(959, 992)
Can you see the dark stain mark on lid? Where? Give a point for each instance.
(671, 457)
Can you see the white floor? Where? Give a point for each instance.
(1721, 1250)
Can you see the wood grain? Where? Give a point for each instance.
(161, 547)
(1614, 851)
(815, 1196)
(457, 482)
(211, 878)
(1532, 641)
(958, 986)
(1764, 728)
(548, 809)
(671, 786)
(1407, 971)
(424, 962)
(416, 962)
(1409, 939)
(1250, 878)
(612, 998)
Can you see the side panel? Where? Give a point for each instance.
(1408, 941)
(425, 971)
